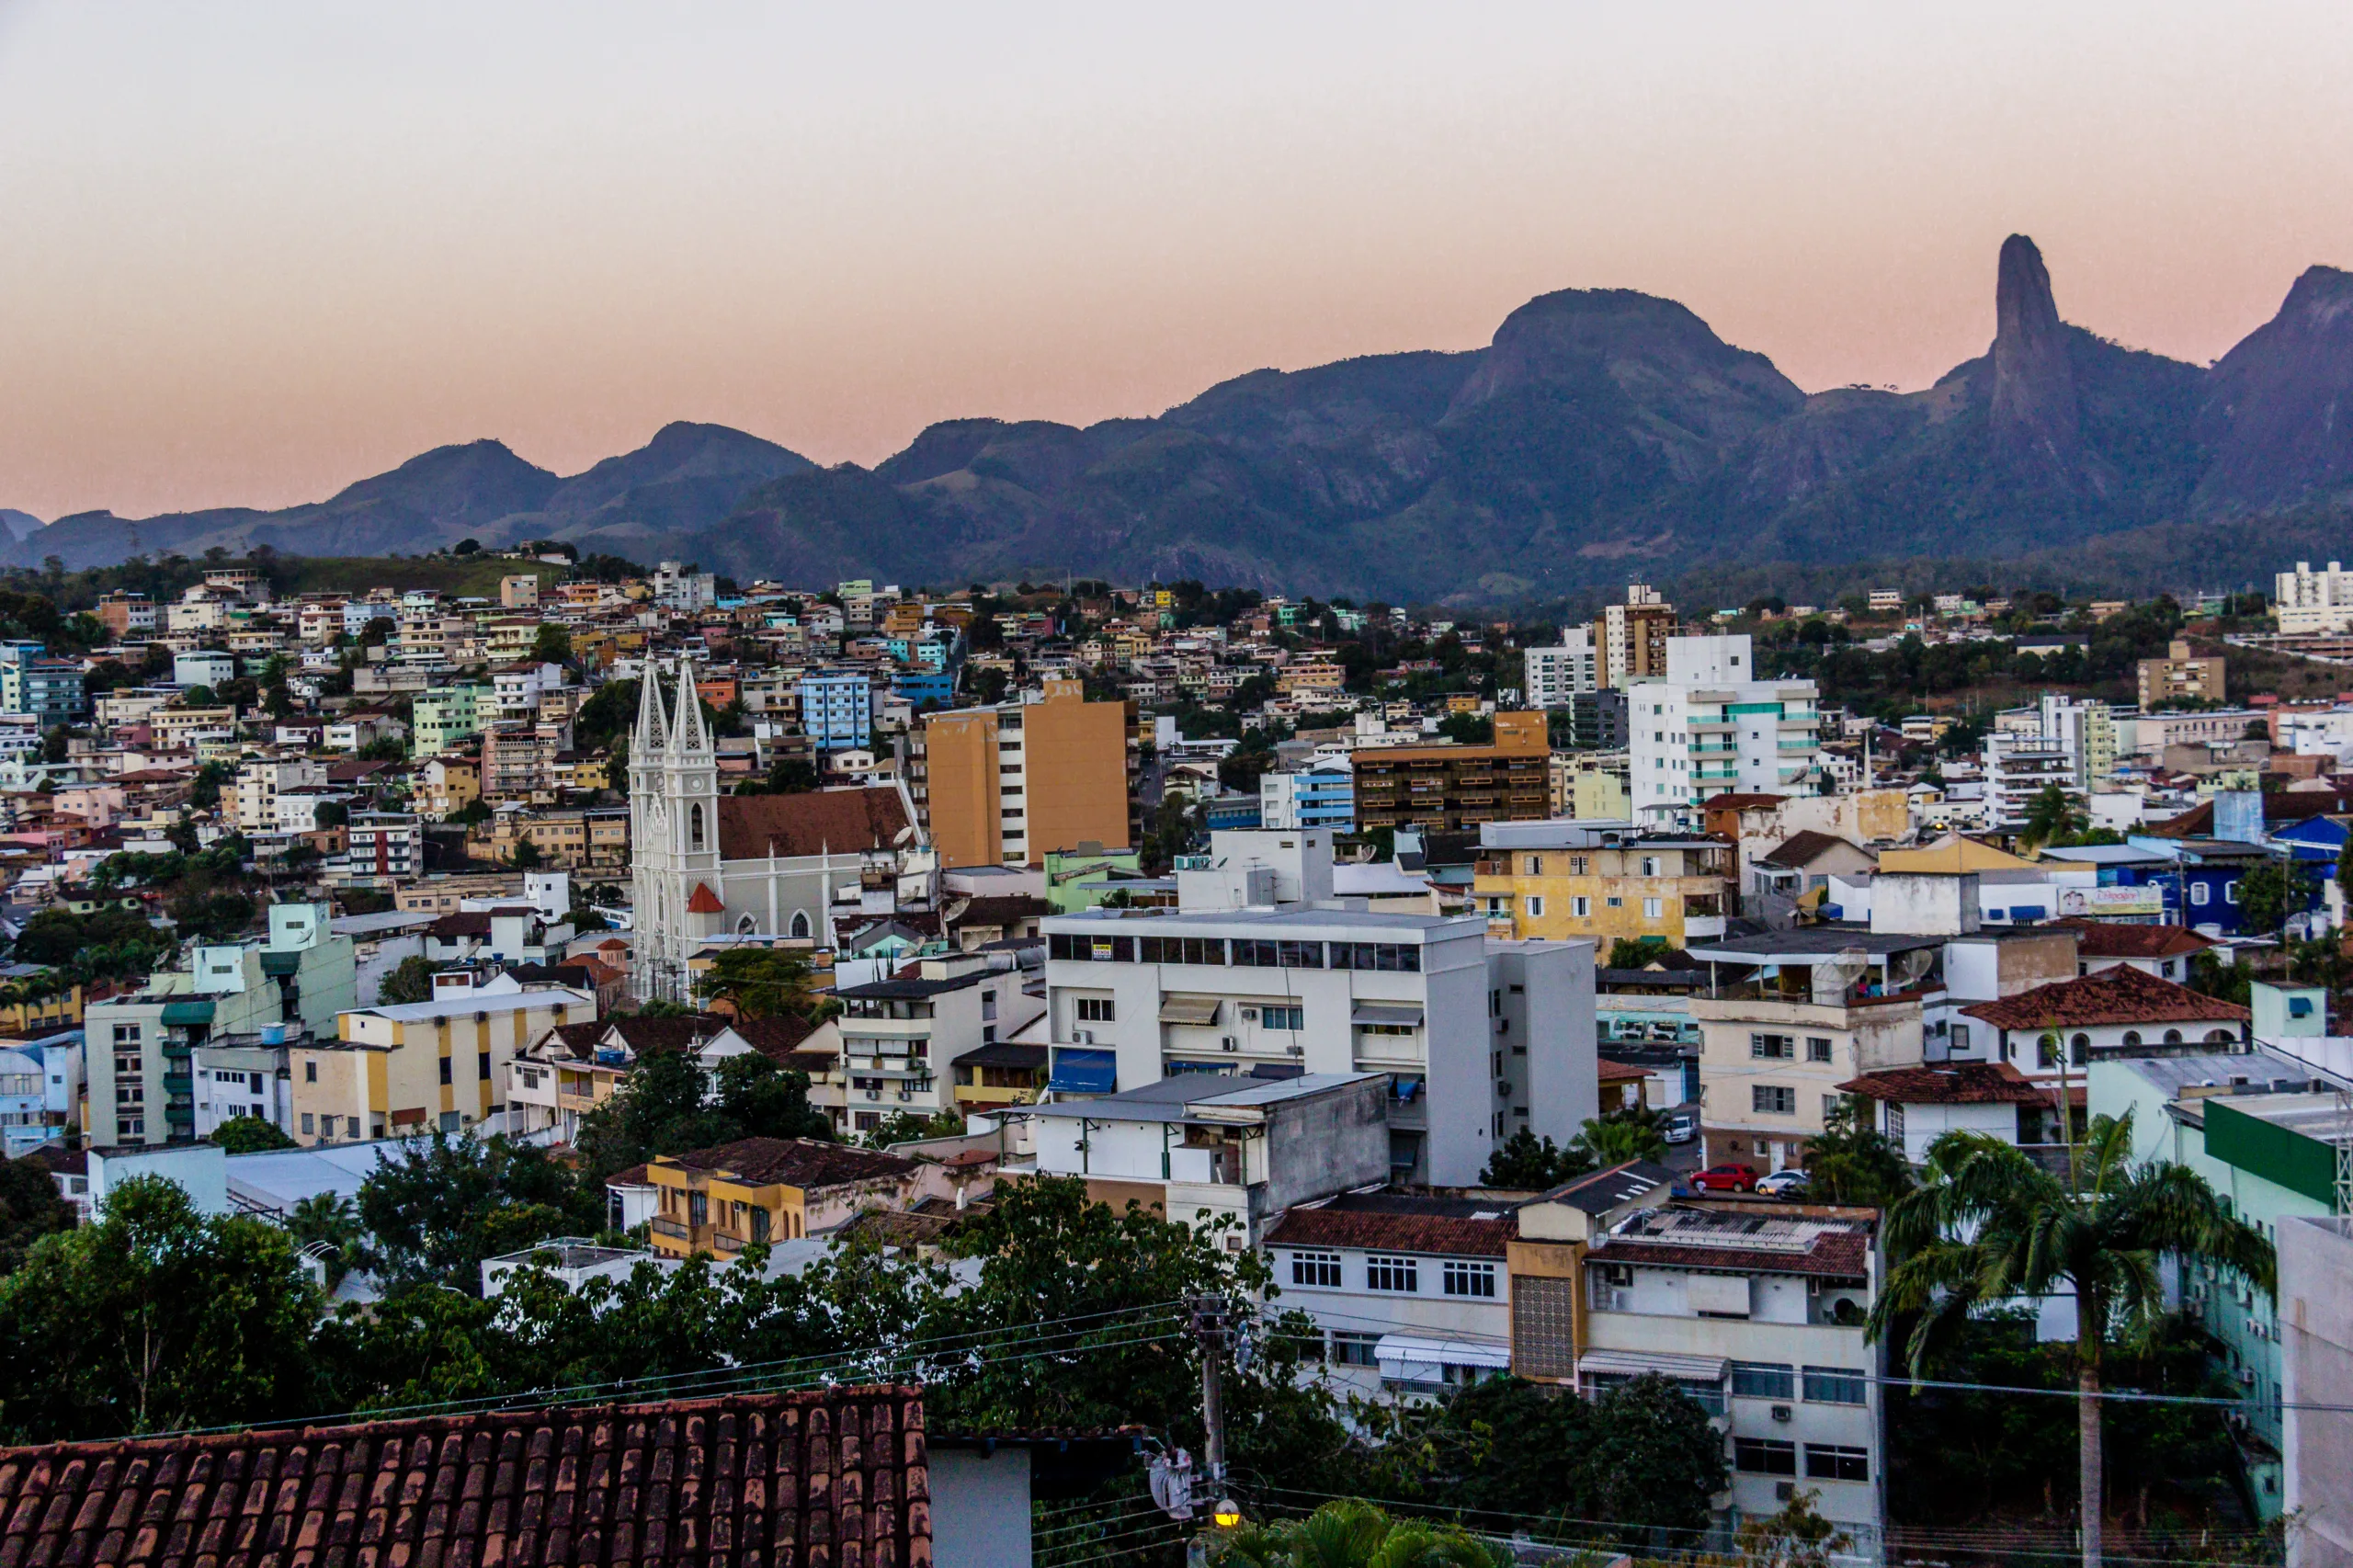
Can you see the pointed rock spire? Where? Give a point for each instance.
(2035, 410)
(652, 734)
(689, 733)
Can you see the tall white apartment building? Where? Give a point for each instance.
(1710, 727)
(1556, 675)
(2309, 602)
(1261, 974)
(2085, 731)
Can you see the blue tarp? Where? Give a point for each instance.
(1080, 1070)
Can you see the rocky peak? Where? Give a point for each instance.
(2034, 411)
(2278, 416)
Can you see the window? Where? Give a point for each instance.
(1389, 957)
(1771, 1047)
(2198, 894)
(1773, 1099)
(310, 1071)
(1825, 1461)
(352, 1122)
(1318, 1270)
(1817, 1048)
(1283, 1017)
(2046, 1051)
(694, 826)
(1581, 908)
(1355, 1349)
(1535, 907)
(310, 1124)
(1399, 1274)
(1534, 864)
(2231, 890)
(1470, 1280)
(1763, 1380)
(1654, 908)
(444, 1070)
(1764, 1456)
(1834, 1385)
(1960, 1038)
(1095, 1010)
(1650, 865)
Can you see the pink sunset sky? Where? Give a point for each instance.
(251, 252)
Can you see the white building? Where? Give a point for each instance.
(2308, 602)
(1555, 675)
(688, 593)
(1710, 727)
(2019, 767)
(1413, 1293)
(1761, 1320)
(900, 1035)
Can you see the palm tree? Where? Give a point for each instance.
(1988, 1225)
(1347, 1533)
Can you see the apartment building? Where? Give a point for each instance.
(447, 715)
(384, 848)
(2310, 603)
(258, 785)
(1008, 784)
(2018, 767)
(47, 690)
(899, 1035)
(2178, 677)
(1761, 1319)
(1788, 1017)
(127, 616)
(1710, 727)
(410, 1067)
(1477, 1044)
(1602, 880)
(1553, 677)
(519, 761)
(1630, 638)
(1450, 788)
(1321, 795)
(447, 785)
(838, 709)
(141, 1046)
(573, 839)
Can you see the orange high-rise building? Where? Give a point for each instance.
(1009, 784)
(1454, 787)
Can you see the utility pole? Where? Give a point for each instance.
(1209, 1326)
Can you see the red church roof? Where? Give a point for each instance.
(705, 901)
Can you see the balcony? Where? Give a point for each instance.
(670, 1228)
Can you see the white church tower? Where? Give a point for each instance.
(677, 887)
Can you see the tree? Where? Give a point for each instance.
(157, 1318)
(411, 980)
(1988, 1225)
(2270, 893)
(31, 1208)
(906, 1126)
(528, 856)
(1528, 1163)
(1634, 1133)
(1660, 1459)
(250, 1135)
(2052, 814)
(329, 1220)
(1852, 1162)
(1639, 952)
(764, 1100)
(759, 983)
(439, 1206)
(552, 645)
(1793, 1537)
(1350, 1533)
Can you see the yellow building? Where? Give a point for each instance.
(414, 1067)
(768, 1189)
(1009, 784)
(1951, 854)
(58, 1010)
(1601, 880)
(447, 785)
(1590, 786)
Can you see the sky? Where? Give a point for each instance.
(251, 252)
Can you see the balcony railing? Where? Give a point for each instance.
(670, 1228)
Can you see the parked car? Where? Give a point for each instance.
(1725, 1178)
(1682, 1126)
(1783, 1184)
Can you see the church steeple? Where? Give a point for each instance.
(651, 735)
(688, 734)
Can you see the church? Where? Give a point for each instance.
(711, 868)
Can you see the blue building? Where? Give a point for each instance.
(2200, 881)
(919, 686)
(838, 709)
(1321, 796)
(1221, 813)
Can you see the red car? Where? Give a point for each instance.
(1725, 1178)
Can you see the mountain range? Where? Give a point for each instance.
(1602, 434)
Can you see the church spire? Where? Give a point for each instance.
(689, 733)
(651, 735)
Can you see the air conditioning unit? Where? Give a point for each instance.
(2247, 1377)
(904, 1094)
(873, 1094)
(1780, 1413)
(1083, 1037)
(1249, 1015)
(1227, 1042)
(1296, 1050)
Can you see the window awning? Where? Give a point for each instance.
(1406, 1357)
(1188, 1009)
(185, 1013)
(1079, 1070)
(1634, 1363)
(289, 962)
(1406, 1012)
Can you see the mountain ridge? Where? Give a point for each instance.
(1599, 433)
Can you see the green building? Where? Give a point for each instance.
(1083, 878)
(447, 715)
(2253, 1125)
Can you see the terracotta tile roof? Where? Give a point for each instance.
(577, 1040)
(2106, 939)
(804, 1163)
(1620, 1072)
(1952, 1083)
(1802, 848)
(642, 1034)
(842, 820)
(1837, 1256)
(780, 1038)
(702, 901)
(838, 1476)
(2120, 995)
(1444, 1233)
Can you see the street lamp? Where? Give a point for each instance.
(1226, 1514)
